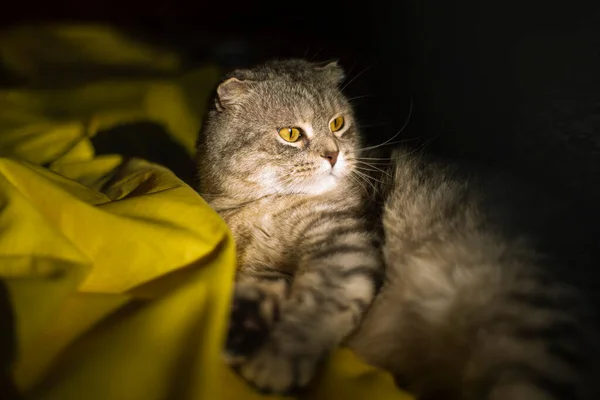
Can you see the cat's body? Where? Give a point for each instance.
(303, 282)
(469, 307)
(264, 237)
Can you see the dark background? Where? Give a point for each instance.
(513, 83)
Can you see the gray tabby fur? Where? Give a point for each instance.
(470, 307)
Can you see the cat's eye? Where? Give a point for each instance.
(336, 124)
(290, 134)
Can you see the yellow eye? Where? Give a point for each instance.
(290, 134)
(336, 124)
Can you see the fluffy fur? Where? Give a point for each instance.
(471, 306)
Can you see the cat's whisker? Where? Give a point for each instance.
(360, 97)
(364, 150)
(362, 178)
(355, 77)
(375, 158)
(367, 179)
(417, 149)
(374, 163)
(381, 160)
(375, 167)
(368, 174)
(365, 169)
(370, 177)
(398, 142)
(359, 183)
(387, 142)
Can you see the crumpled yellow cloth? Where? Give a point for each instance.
(119, 273)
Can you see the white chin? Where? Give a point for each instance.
(321, 185)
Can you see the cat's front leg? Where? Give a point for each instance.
(333, 287)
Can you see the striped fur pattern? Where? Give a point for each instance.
(471, 305)
(308, 255)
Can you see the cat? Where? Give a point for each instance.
(430, 272)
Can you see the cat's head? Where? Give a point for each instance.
(283, 127)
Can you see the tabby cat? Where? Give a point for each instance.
(435, 274)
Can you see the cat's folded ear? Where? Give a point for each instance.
(230, 92)
(332, 71)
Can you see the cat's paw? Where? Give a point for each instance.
(268, 359)
(253, 313)
(273, 371)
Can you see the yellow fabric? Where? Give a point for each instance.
(119, 274)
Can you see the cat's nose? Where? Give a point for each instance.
(331, 156)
